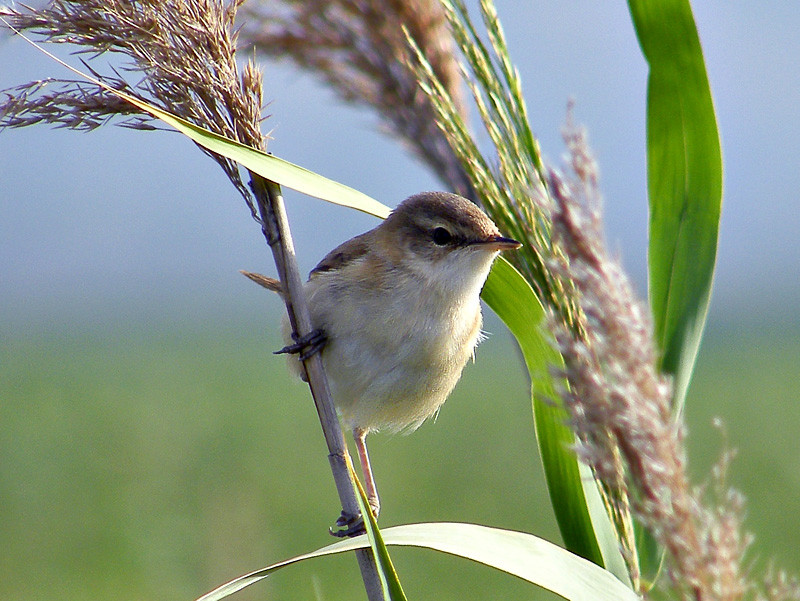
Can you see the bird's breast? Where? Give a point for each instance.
(393, 354)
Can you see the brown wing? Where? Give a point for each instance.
(343, 254)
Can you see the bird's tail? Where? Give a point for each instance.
(264, 281)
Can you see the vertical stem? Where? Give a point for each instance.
(275, 227)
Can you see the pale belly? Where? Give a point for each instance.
(386, 375)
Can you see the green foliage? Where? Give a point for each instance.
(523, 555)
(390, 582)
(266, 165)
(580, 511)
(517, 553)
(684, 182)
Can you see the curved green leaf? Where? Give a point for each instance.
(523, 555)
(579, 509)
(270, 167)
(684, 168)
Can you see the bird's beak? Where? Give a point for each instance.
(500, 243)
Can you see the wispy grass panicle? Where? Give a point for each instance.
(181, 51)
(620, 405)
(779, 586)
(509, 180)
(359, 48)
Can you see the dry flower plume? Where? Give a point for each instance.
(183, 53)
(620, 405)
(360, 49)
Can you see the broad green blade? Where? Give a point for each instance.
(270, 167)
(684, 169)
(580, 512)
(684, 173)
(520, 554)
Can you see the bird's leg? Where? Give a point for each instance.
(360, 437)
(305, 346)
(353, 525)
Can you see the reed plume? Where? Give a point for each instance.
(620, 405)
(181, 51)
(361, 49)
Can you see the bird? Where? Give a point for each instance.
(396, 314)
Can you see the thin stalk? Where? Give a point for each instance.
(275, 227)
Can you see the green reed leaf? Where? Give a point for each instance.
(684, 171)
(577, 504)
(684, 181)
(520, 554)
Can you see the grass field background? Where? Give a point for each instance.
(154, 463)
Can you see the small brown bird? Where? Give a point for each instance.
(399, 307)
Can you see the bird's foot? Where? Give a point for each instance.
(305, 346)
(348, 525)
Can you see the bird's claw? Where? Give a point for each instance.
(348, 525)
(305, 346)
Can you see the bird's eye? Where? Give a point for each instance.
(441, 236)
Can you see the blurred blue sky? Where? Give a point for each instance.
(117, 225)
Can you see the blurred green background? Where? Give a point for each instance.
(158, 462)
